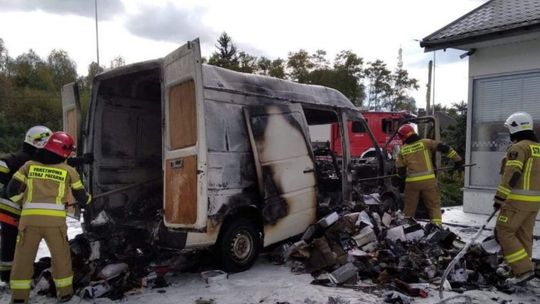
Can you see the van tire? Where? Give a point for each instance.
(239, 245)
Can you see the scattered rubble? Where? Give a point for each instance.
(370, 248)
(357, 247)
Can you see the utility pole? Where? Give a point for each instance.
(97, 35)
(428, 89)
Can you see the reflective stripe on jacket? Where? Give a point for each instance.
(416, 157)
(523, 160)
(45, 190)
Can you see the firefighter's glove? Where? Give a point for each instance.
(497, 204)
(76, 205)
(458, 165)
(402, 172)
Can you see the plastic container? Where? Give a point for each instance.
(343, 274)
(112, 270)
(213, 276)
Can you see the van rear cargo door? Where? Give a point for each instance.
(285, 168)
(71, 112)
(71, 120)
(184, 143)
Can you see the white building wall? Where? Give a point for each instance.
(505, 58)
(499, 60)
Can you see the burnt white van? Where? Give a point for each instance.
(217, 158)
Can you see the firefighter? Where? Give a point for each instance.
(415, 166)
(35, 138)
(518, 197)
(44, 184)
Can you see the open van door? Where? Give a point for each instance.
(285, 169)
(71, 112)
(71, 120)
(184, 143)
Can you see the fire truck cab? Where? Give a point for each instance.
(382, 126)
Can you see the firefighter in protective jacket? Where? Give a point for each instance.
(518, 196)
(36, 137)
(44, 184)
(415, 166)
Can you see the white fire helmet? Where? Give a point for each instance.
(519, 121)
(37, 136)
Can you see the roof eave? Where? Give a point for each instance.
(471, 39)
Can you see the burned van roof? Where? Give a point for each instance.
(220, 79)
(130, 68)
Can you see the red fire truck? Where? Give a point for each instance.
(382, 125)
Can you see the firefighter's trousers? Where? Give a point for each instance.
(25, 254)
(7, 249)
(428, 191)
(514, 230)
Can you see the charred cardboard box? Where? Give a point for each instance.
(385, 249)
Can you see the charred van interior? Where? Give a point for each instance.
(126, 125)
(128, 130)
(327, 164)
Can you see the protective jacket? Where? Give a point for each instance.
(9, 212)
(520, 182)
(45, 189)
(519, 195)
(415, 165)
(416, 157)
(9, 164)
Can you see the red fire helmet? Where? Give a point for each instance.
(60, 143)
(405, 131)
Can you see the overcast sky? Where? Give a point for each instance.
(146, 29)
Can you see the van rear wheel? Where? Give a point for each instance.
(239, 245)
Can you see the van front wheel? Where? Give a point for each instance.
(239, 245)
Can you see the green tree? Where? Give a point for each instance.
(30, 94)
(5, 84)
(117, 62)
(345, 75)
(274, 68)
(63, 68)
(277, 68)
(226, 55)
(300, 65)
(93, 70)
(246, 63)
(319, 60)
(379, 80)
(401, 85)
(263, 65)
(349, 67)
(30, 71)
(85, 83)
(455, 135)
(4, 57)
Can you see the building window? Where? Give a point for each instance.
(389, 126)
(358, 127)
(494, 100)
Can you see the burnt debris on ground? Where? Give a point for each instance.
(393, 257)
(122, 251)
(359, 247)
